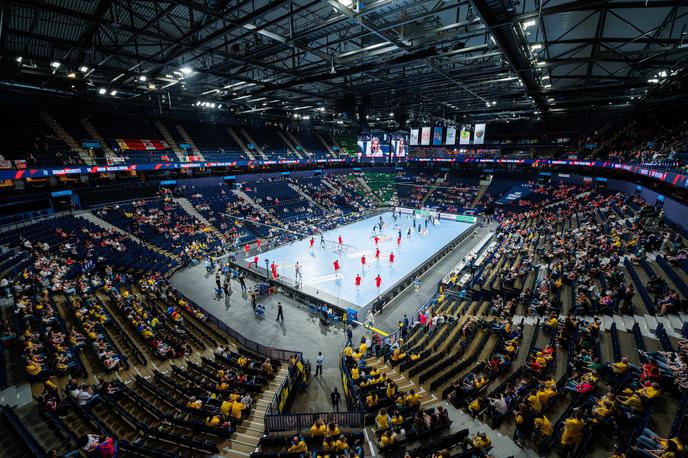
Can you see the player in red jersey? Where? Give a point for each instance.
(339, 239)
(391, 258)
(357, 280)
(363, 261)
(399, 241)
(247, 248)
(336, 265)
(377, 240)
(258, 244)
(312, 242)
(377, 254)
(378, 281)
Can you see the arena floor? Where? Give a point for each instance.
(338, 288)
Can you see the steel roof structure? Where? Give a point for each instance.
(444, 58)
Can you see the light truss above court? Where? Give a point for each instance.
(481, 58)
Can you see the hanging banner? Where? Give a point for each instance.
(451, 135)
(425, 136)
(437, 136)
(479, 134)
(414, 137)
(465, 136)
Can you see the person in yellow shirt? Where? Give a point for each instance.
(650, 392)
(195, 403)
(383, 420)
(534, 401)
(348, 352)
(332, 429)
(573, 431)
(371, 400)
(391, 390)
(329, 444)
(298, 445)
(213, 421)
(33, 368)
(543, 426)
(318, 428)
(226, 407)
(619, 368)
(475, 406)
(341, 443)
(386, 439)
(397, 418)
(481, 441)
(237, 409)
(355, 373)
(397, 355)
(412, 399)
(242, 361)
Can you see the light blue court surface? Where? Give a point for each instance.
(317, 265)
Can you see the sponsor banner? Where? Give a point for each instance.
(425, 136)
(451, 135)
(138, 144)
(479, 134)
(514, 194)
(465, 135)
(414, 137)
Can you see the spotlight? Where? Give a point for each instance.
(142, 78)
(55, 64)
(19, 59)
(83, 69)
(102, 91)
(185, 70)
(113, 92)
(151, 87)
(71, 75)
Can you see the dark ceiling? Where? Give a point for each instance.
(399, 59)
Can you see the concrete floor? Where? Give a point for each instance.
(301, 330)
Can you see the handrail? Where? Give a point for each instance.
(264, 350)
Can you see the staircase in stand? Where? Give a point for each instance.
(66, 137)
(249, 432)
(479, 196)
(289, 144)
(268, 216)
(191, 210)
(334, 143)
(170, 141)
(96, 136)
(432, 189)
(295, 141)
(253, 142)
(184, 134)
(241, 144)
(330, 151)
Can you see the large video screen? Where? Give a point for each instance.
(399, 144)
(374, 145)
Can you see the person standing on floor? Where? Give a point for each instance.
(319, 363)
(242, 282)
(297, 272)
(218, 282)
(280, 314)
(335, 398)
(252, 297)
(349, 336)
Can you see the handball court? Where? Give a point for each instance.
(412, 247)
